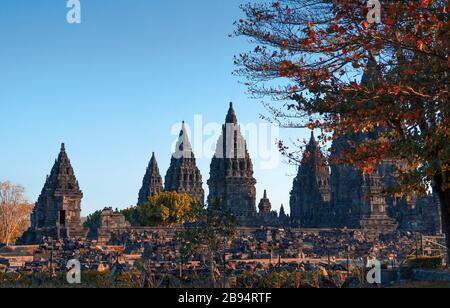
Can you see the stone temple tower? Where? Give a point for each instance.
(231, 175)
(183, 175)
(346, 186)
(377, 222)
(57, 211)
(265, 207)
(310, 195)
(152, 182)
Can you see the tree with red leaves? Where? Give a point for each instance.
(310, 57)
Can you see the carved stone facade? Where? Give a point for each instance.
(57, 211)
(231, 174)
(357, 201)
(183, 176)
(152, 182)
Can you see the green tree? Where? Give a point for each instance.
(168, 208)
(93, 223)
(309, 57)
(93, 220)
(211, 234)
(131, 215)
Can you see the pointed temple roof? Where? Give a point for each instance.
(153, 163)
(183, 175)
(62, 180)
(313, 155)
(264, 205)
(231, 143)
(183, 148)
(312, 140)
(282, 211)
(231, 116)
(152, 182)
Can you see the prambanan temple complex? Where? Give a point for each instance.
(323, 195)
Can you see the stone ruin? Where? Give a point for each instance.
(111, 223)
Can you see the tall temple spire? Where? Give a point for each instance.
(183, 175)
(310, 195)
(152, 182)
(231, 174)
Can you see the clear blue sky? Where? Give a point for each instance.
(113, 87)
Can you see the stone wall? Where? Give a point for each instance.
(434, 276)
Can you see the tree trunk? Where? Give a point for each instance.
(443, 192)
(211, 269)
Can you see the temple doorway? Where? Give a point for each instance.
(62, 218)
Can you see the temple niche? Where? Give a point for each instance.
(57, 213)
